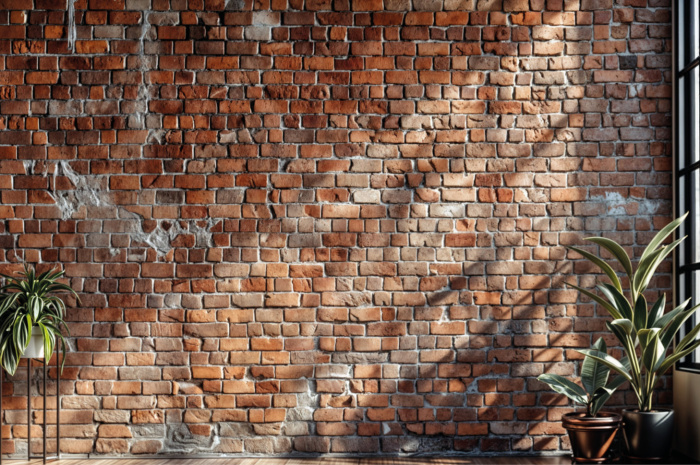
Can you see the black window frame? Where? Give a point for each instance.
(686, 161)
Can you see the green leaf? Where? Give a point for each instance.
(34, 306)
(617, 251)
(646, 335)
(662, 321)
(688, 338)
(609, 307)
(624, 324)
(620, 332)
(656, 311)
(616, 382)
(661, 236)
(608, 391)
(668, 363)
(609, 361)
(646, 269)
(563, 386)
(19, 335)
(594, 374)
(607, 269)
(621, 302)
(7, 301)
(10, 359)
(63, 349)
(653, 351)
(599, 398)
(48, 342)
(669, 332)
(640, 313)
(623, 331)
(626, 363)
(644, 266)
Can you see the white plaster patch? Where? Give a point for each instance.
(72, 34)
(179, 439)
(87, 190)
(616, 205)
(144, 94)
(307, 403)
(91, 191)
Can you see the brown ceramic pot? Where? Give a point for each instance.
(591, 437)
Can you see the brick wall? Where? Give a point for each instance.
(325, 226)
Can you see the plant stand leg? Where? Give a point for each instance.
(1, 372)
(29, 409)
(46, 421)
(58, 405)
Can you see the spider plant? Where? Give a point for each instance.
(594, 378)
(28, 303)
(645, 332)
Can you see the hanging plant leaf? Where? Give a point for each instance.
(27, 304)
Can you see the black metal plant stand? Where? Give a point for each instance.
(44, 457)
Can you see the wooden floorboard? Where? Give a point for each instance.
(310, 461)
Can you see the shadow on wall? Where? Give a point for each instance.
(301, 246)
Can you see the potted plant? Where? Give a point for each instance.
(31, 317)
(591, 432)
(646, 335)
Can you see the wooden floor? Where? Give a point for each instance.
(312, 461)
(504, 460)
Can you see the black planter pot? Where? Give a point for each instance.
(648, 435)
(591, 437)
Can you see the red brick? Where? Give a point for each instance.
(257, 204)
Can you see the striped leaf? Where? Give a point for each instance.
(607, 269)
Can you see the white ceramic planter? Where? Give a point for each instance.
(35, 349)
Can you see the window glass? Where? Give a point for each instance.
(681, 146)
(688, 33)
(694, 292)
(693, 127)
(687, 163)
(694, 217)
(694, 41)
(696, 301)
(684, 230)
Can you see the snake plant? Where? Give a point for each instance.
(28, 303)
(594, 378)
(645, 332)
